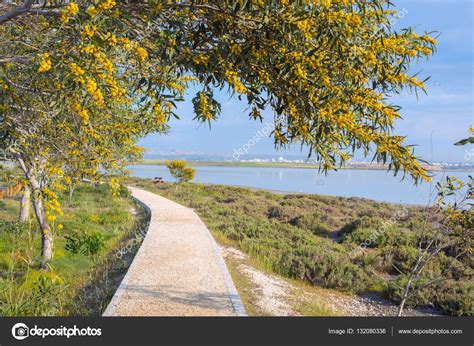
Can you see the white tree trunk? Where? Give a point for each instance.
(35, 191)
(46, 235)
(25, 205)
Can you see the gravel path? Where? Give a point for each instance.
(178, 270)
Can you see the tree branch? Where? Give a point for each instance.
(29, 8)
(16, 12)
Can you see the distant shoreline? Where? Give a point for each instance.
(292, 165)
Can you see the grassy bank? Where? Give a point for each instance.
(317, 239)
(84, 272)
(276, 165)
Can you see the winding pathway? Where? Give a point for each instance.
(178, 270)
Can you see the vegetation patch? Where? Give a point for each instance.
(85, 270)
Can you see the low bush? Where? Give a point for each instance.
(12, 227)
(40, 294)
(457, 299)
(312, 222)
(418, 298)
(366, 237)
(84, 244)
(283, 213)
(364, 222)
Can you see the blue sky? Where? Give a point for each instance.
(434, 122)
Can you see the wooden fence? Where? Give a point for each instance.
(10, 190)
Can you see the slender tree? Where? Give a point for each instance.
(180, 171)
(453, 236)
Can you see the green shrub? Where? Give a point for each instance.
(401, 257)
(313, 223)
(283, 213)
(84, 244)
(374, 232)
(454, 297)
(458, 300)
(12, 227)
(368, 237)
(335, 270)
(395, 292)
(114, 217)
(39, 295)
(395, 236)
(124, 191)
(372, 222)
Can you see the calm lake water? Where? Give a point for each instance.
(373, 184)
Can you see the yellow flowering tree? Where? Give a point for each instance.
(71, 110)
(180, 170)
(83, 81)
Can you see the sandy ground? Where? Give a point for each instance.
(272, 291)
(276, 296)
(178, 270)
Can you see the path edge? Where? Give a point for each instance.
(110, 310)
(231, 289)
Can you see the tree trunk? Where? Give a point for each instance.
(400, 307)
(406, 292)
(71, 192)
(25, 205)
(46, 236)
(35, 191)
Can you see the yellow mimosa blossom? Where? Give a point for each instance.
(126, 42)
(160, 116)
(204, 106)
(107, 5)
(94, 91)
(142, 53)
(111, 39)
(76, 70)
(233, 80)
(89, 31)
(45, 63)
(201, 60)
(84, 114)
(72, 8)
(91, 10)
